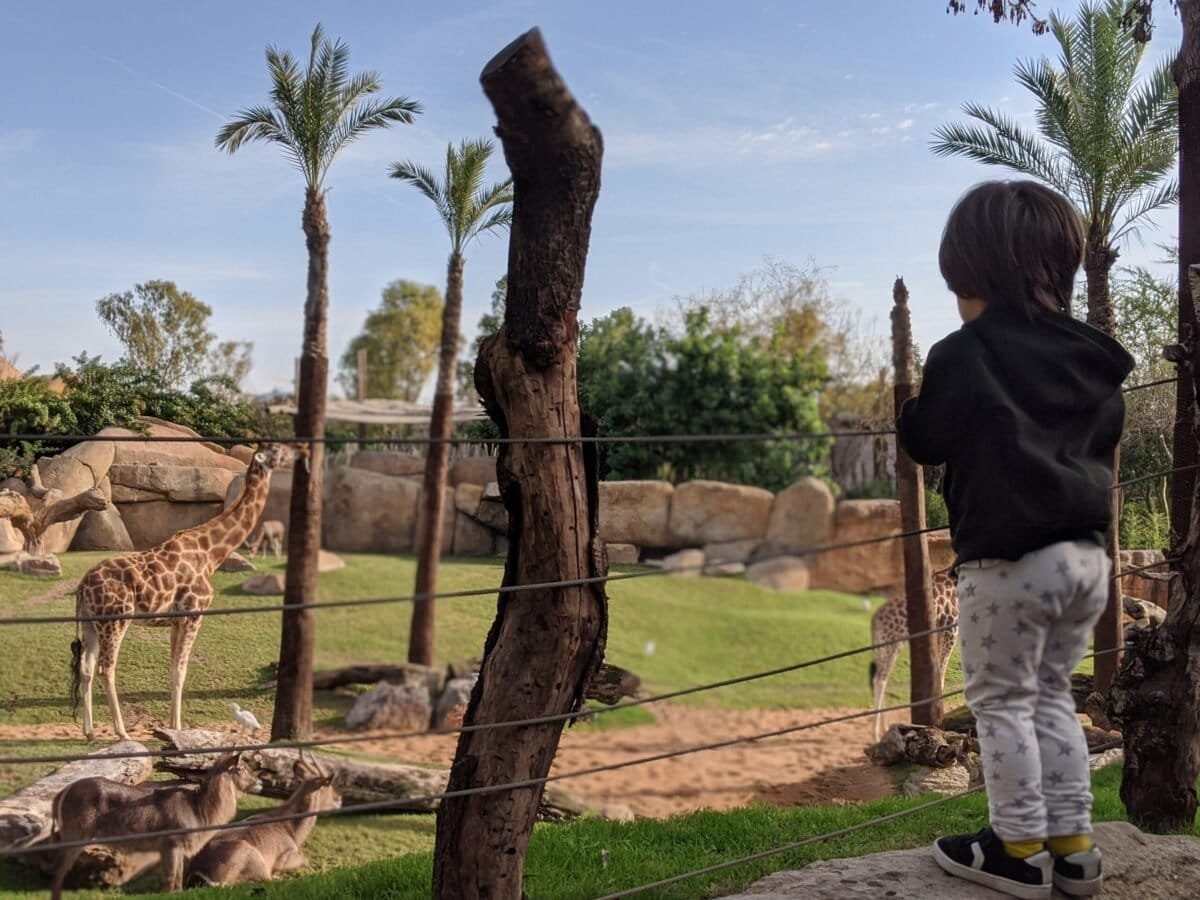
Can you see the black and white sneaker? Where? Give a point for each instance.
(1078, 874)
(981, 858)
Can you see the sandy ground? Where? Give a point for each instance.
(824, 765)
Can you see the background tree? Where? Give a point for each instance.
(1105, 139)
(489, 324)
(401, 338)
(467, 209)
(314, 113)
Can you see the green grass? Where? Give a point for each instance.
(565, 860)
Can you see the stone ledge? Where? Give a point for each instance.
(1136, 865)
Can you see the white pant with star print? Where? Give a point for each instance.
(1024, 627)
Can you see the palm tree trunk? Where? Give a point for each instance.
(433, 512)
(293, 699)
(1099, 256)
(1153, 700)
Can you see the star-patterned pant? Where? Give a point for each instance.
(1024, 627)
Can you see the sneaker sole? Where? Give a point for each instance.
(1079, 887)
(1004, 885)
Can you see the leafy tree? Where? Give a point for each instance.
(231, 361)
(1104, 139)
(637, 379)
(401, 340)
(467, 209)
(314, 113)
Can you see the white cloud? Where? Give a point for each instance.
(906, 123)
(885, 129)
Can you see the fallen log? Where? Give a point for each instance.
(26, 818)
(923, 745)
(356, 780)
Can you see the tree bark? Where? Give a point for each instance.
(1153, 700)
(292, 718)
(1187, 77)
(545, 645)
(437, 466)
(926, 678)
(33, 515)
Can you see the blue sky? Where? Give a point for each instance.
(732, 132)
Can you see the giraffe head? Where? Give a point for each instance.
(268, 457)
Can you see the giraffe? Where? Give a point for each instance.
(890, 623)
(174, 576)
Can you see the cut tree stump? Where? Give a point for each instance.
(923, 745)
(356, 780)
(25, 818)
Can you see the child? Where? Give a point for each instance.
(1023, 404)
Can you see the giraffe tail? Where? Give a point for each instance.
(76, 661)
(872, 670)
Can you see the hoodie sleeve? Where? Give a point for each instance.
(931, 424)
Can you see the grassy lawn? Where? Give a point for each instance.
(565, 861)
(703, 629)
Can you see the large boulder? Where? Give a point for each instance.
(867, 568)
(491, 512)
(688, 562)
(179, 484)
(471, 538)
(801, 517)
(480, 470)
(623, 554)
(402, 707)
(10, 539)
(166, 453)
(366, 512)
(467, 497)
(268, 584)
(278, 507)
(782, 573)
(102, 529)
(235, 562)
(452, 704)
(941, 554)
(729, 552)
(151, 523)
(388, 462)
(73, 471)
(709, 512)
(636, 512)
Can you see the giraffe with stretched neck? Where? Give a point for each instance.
(176, 577)
(890, 624)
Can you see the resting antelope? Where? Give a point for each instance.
(270, 847)
(95, 809)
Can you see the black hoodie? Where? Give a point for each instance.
(1026, 412)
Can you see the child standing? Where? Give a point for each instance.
(1023, 404)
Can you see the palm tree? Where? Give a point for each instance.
(467, 209)
(313, 113)
(1104, 139)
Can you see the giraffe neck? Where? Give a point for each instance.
(223, 534)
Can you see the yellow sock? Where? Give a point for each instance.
(1068, 844)
(1023, 849)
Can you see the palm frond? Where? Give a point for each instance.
(1054, 111)
(1153, 108)
(1001, 143)
(1146, 203)
(256, 123)
(498, 220)
(357, 120)
(427, 183)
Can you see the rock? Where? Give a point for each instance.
(452, 703)
(152, 523)
(1143, 610)
(730, 552)
(728, 569)
(388, 462)
(448, 520)
(1107, 758)
(265, 585)
(179, 484)
(783, 573)
(867, 568)
(491, 490)
(706, 512)
(73, 471)
(278, 507)
(685, 562)
(366, 512)
(10, 539)
(162, 453)
(801, 517)
(102, 529)
(491, 512)
(329, 562)
(44, 566)
(941, 554)
(1136, 865)
(479, 470)
(616, 812)
(623, 554)
(235, 562)
(467, 497)
(926, 780)
(636, 512)
(242, 453)
(470, 538)
(402, 707)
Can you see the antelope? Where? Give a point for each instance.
(270, 847)
(97, 809)
(270, 532)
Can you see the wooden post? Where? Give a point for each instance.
(545, 645)
(362, 394)
(917, 571)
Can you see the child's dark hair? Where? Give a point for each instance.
(1015, 243)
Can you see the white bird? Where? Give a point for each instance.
(245, 718)
(650, 645)
(866, 604)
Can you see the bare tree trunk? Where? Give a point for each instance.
(437, 466)
(33, 515)
(293, 699)
(545, 645)
(926, 677)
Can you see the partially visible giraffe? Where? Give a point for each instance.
(175, 576)
(890, 623)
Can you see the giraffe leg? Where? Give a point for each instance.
(885, 660)
(87, 672)
(183, 635)
(110, 649)
(946, 647)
